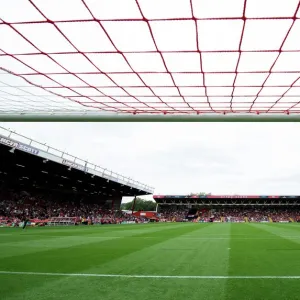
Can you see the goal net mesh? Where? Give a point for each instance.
(149, 57)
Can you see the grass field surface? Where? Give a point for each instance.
(151, 261)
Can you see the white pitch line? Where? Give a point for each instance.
(146, 276)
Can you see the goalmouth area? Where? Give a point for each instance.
(164, 261)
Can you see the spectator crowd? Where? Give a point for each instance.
(173, 215)
(231, 214)
(16, 207)
(257, 214)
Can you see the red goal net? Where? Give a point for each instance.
(150, 57)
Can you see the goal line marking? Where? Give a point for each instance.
(146, 276)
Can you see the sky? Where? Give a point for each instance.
(181, 158)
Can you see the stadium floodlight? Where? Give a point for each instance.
(69, 168)
(12, 150)
(150, 60)
(45, 161)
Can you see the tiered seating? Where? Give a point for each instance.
(234, 214)
(15, 207)
(173, 215)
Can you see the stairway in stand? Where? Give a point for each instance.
(291, 219)
(270, 220)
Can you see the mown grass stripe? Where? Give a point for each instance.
(146, 276)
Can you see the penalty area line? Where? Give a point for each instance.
(145, 276)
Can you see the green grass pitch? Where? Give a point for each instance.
(151, 261)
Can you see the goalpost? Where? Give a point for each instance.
(159, 61)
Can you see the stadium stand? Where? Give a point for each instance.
(47, 186)
(173, 215)
(42, 210)
(212, 208)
